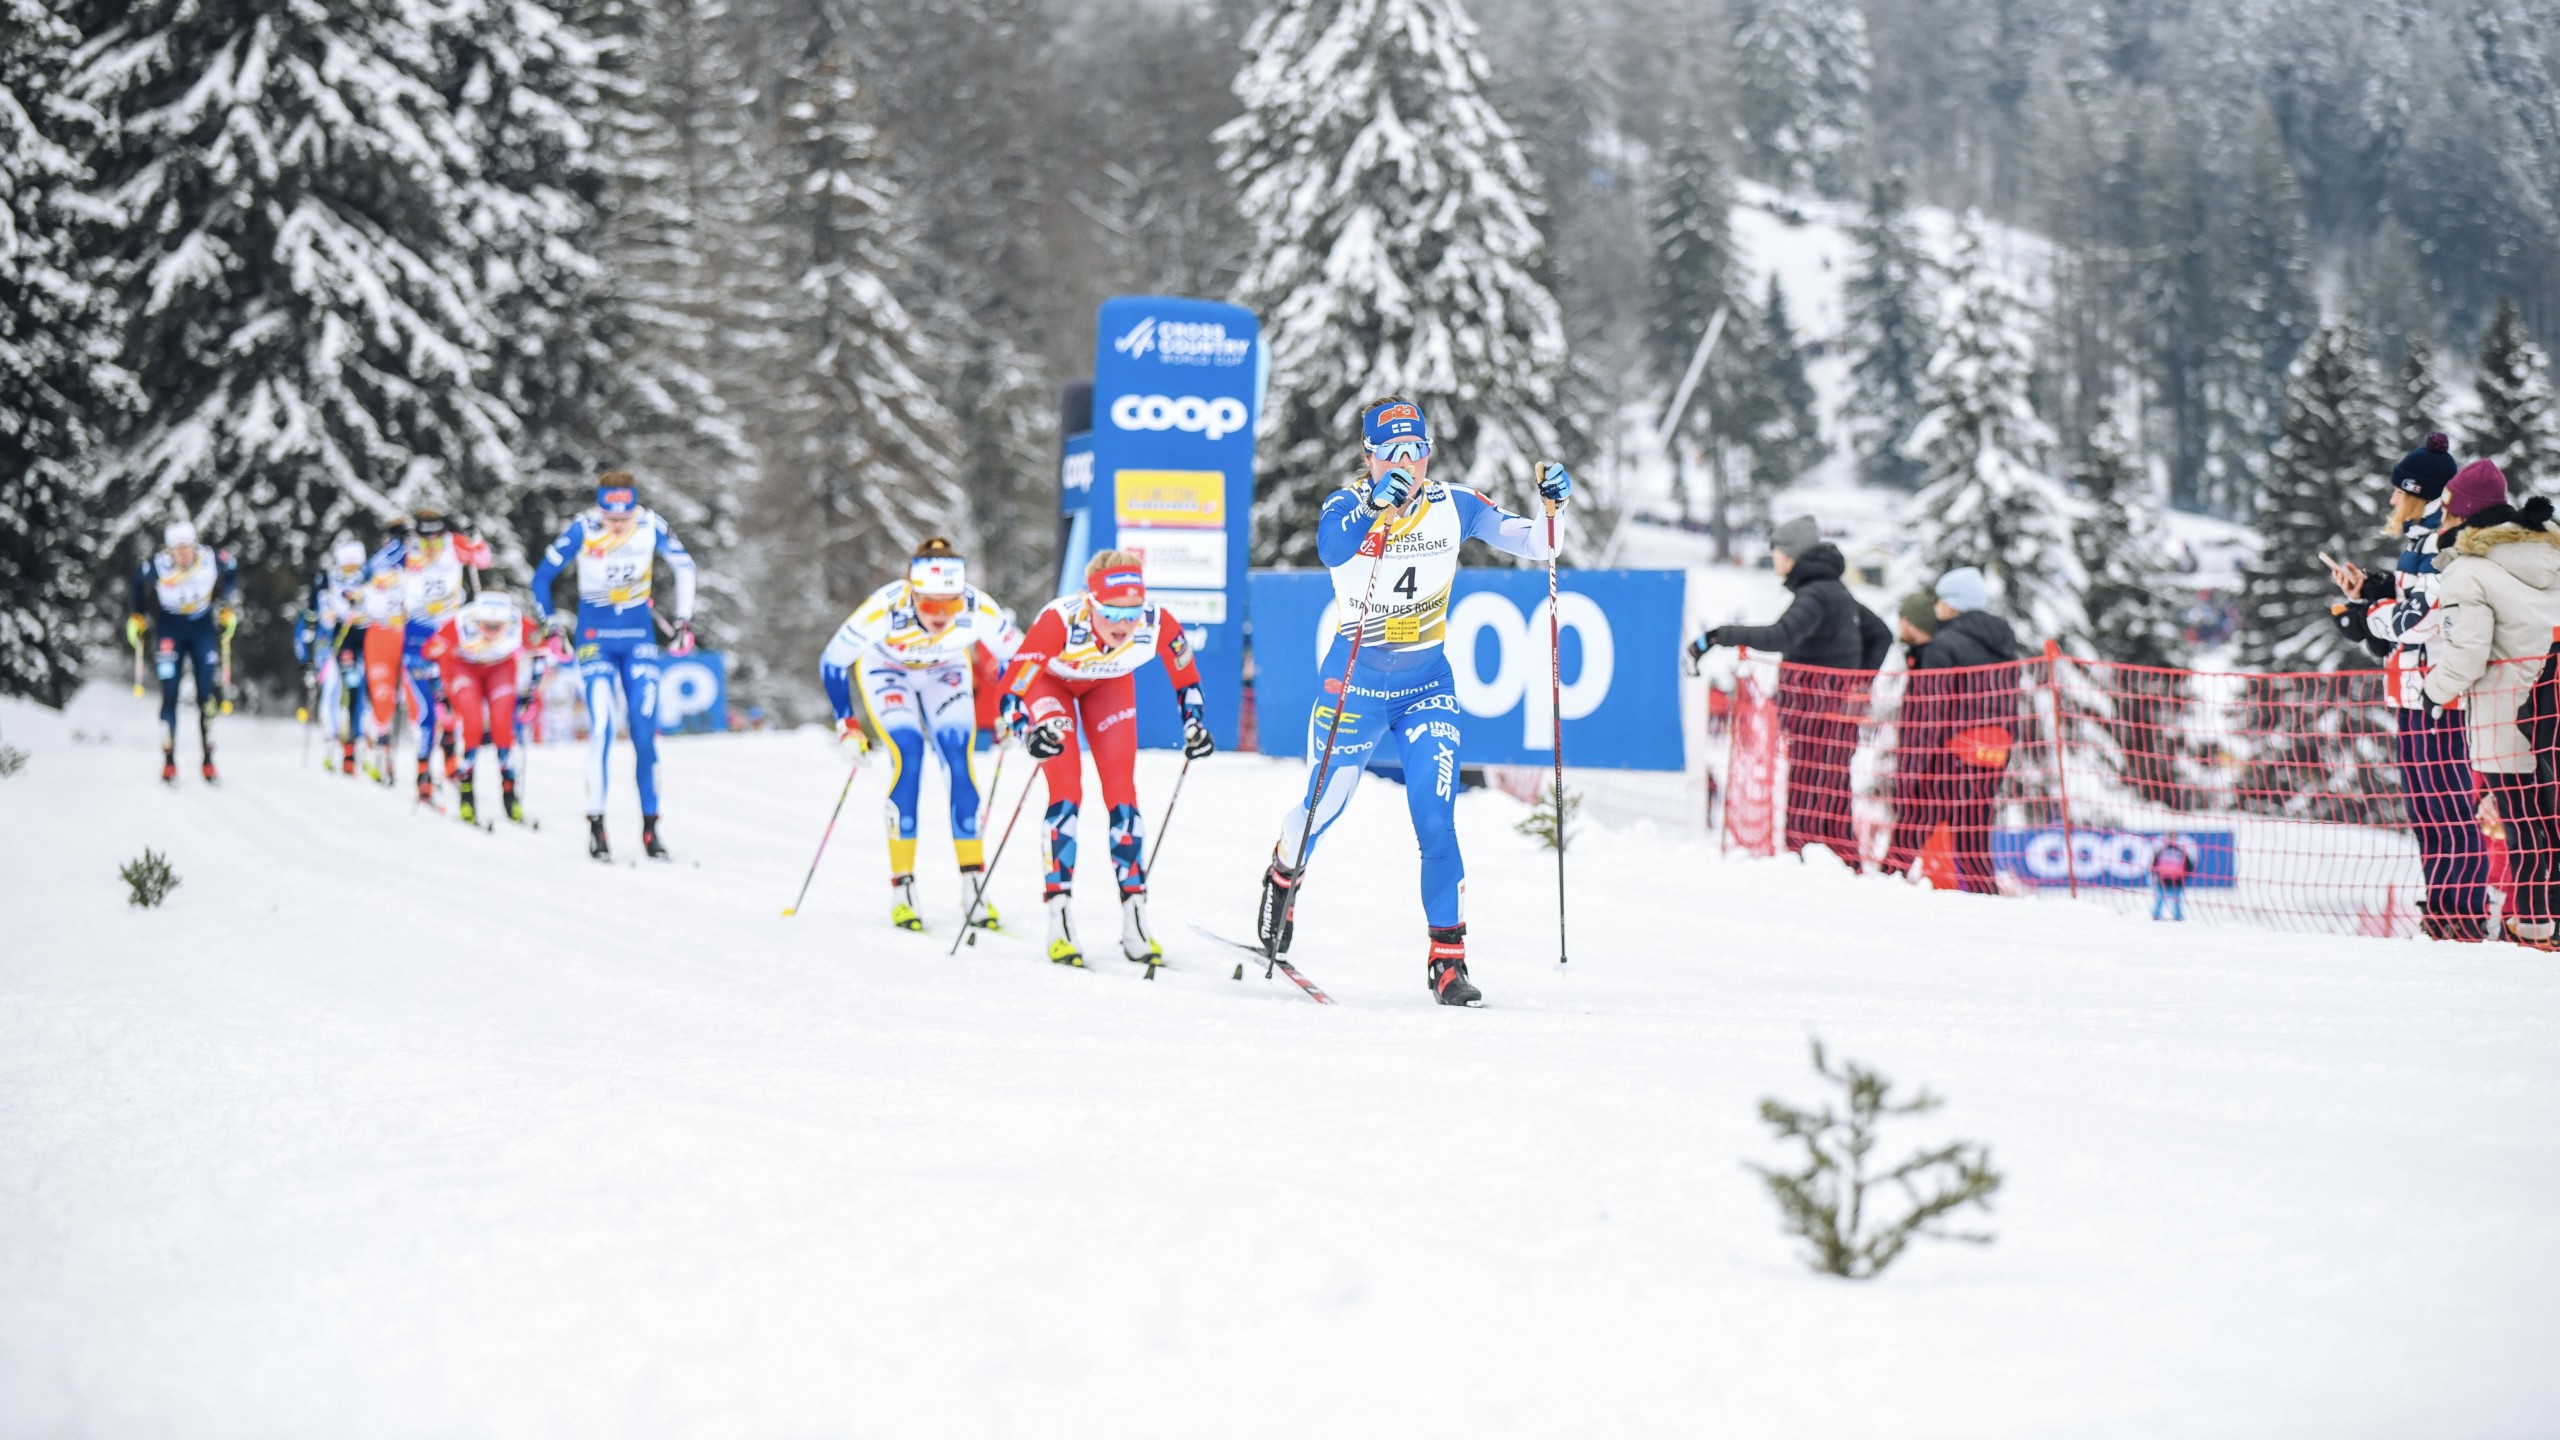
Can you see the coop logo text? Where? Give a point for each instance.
(1214, 419)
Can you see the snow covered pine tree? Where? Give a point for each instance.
(1988, 499)
(861, 460)
(58, 379)
(1395, 251)
(1892, 333)
(2323, 747)
(2519, 418)
(1801, 67)
(307, 316)
(2134, 617)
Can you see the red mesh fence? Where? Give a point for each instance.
(2302, 802)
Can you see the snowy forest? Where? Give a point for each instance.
(816, 270)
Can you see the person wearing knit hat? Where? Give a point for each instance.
(2424, 471)
(1832, 646)
(2392, 614)
(1962, 589)
(1788, 542)
(2496, 608)
(1969, 669)
(1919, 755)
(2475, 488)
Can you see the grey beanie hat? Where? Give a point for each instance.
(1795, 537)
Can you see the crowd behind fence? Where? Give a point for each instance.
(2294, 801)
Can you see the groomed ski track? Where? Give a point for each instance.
(384, 1126)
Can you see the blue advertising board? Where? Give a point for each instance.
(1621, 653)
(1167, 472)
(693, 692)
(2111, 859)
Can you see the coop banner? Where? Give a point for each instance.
(1177, 388)
(693, 693)
(1621, 649)
(2118, 859)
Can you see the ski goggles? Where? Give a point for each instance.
(941, 607)
(1400, 452)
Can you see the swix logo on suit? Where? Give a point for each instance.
(187, 589)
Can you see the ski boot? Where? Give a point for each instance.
(211, 775)
(1062, 933)
(168, 764)
(597, 849)
(452, 765)
(426, 784)
(973, 887)
(1278, 919)
(507, 798)
(2532, 934)
(902, 911)
(649, 839)
(469, 811)
(1448, 968)
(1136, 945)
(347, 758)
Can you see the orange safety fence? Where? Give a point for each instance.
(2308, 801)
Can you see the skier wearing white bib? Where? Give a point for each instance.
(920, 657)
(1391, 539)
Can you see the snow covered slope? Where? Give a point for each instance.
(385, 1127)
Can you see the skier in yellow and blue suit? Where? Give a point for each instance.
(921, 658)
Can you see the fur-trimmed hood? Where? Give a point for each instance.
(2481, 542)
(2521, 540)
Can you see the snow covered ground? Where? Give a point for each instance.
(386, 1127)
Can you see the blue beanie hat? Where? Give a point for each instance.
(2424, 472)
(1965, 589)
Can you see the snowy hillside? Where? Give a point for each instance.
(1810, 247)
(385, 1127)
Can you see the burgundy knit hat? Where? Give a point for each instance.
(2475, 488)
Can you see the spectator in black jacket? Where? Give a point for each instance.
(1971, 665)
(1832, 646)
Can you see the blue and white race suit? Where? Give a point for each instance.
(616, 635)
(1401, 685)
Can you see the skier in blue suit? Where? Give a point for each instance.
(617, 545)
(1392, 537)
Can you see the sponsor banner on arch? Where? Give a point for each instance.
(1177, 386)
(1621, 664)
(2110, 859)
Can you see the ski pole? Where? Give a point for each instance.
(971, 918)
(1156, 852)
(1555, 702)
(794, 907)
(1341, 695)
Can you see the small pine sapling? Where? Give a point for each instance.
(12, 760)
(150, 879)
(1828, 1202)
(1551, 824)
